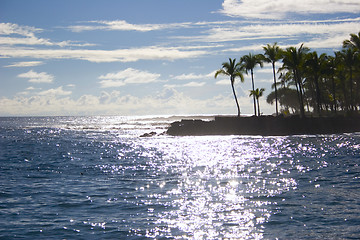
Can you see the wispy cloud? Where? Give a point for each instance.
(191, 76)
(128, 76)
(14, 34)
(119, 55)
(25, 64)
(278, 9)
(121, 25)
(12, 28)
(194, 84)
(273, 31)
(36, 77)
(189, 84)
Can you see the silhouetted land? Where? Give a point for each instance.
(265, 126)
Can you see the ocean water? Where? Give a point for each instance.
(95, 178)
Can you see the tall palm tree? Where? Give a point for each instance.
(293, 59)
(248, 63)
(340, 73)
(349, 58)
(314, 65)
(232, 70)
(272, 54)
(257, 93)
(329, 71)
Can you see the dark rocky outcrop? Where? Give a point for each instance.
(150, 134)
(265, 126)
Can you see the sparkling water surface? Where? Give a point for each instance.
(95, 178)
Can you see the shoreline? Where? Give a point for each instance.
(265, 126)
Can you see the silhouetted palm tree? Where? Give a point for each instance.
(349, 58)
(314, 66)
(232, 70)
(248, 63)
(293, 59)
(340, 73)
(272, 54)
(257, 93)
(329, 71)
(353, 42)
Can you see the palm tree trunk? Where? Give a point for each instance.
(333, 92)
(318, 96)
(351, 91)
(233, 89)
(346, 100)
(300, 94)
(253, 88)
(276, 97)
(258, 106)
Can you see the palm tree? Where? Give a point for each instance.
(349, 58)
(248, 63)
(257, 94)
(232, 70)
(293, 59)
(354, 42)
(340, 73)
(314, 66)
(329, 71)
(272, 55)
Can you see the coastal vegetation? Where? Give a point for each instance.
(308, 83)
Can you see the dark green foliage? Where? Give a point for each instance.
(321, 84)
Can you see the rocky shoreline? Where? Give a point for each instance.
(265, 126)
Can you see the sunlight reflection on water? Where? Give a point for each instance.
(224, 185)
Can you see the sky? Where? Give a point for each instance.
(151, 57)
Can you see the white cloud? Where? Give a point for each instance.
(54, 92)
(121, 25)
(119, 55)
(274, 31)
(128, 76)
(189, 84)
(278, 9)
(36, 77)
(192, 76)
(14, 34)
(26, 64)
(194, 84)
(223, 82)
(11, 28)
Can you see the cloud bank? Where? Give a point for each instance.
(56, 102)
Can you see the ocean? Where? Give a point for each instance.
(95, 178)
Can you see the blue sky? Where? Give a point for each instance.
(151, 57)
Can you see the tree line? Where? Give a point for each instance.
(306, 82)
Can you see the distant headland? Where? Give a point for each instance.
(266, 126)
